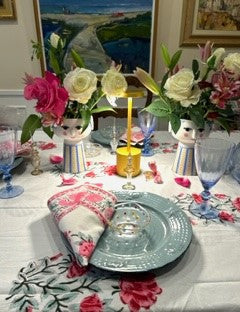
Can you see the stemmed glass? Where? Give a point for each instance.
(211, 158)
(7, 155)
(147, 122)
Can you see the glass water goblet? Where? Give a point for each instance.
(7, 155)
(212, 157)
(147, 122)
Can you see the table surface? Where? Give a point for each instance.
(205, 278)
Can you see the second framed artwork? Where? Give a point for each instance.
(214, 20)
(101, 31)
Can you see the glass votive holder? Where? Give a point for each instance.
(122, 160)
(130, 219)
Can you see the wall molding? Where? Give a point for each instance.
(15, 92)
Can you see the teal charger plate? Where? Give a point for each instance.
(162, 241)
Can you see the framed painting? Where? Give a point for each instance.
(214, 20)
(8, 9)
(101, 31)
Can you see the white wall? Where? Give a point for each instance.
(16, 48)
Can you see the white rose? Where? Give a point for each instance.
(54, 38)
(218, 53)
(114, 83)
(80, 84)
(181, 87)
(232, 63)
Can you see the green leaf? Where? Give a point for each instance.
(54, 63)
(31, 124)
(86, 115)
(69, 296)
(77, 59)
(48, 131)
(211, 61)
(175, 58)
(102, 109)
(165, 77)
(195, 69)
(223, 123)
(175, 122)
(50, 305)
(165, 55)
(60, 289)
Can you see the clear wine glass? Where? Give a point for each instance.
(147, 122)
(211, 158)
(7, 156)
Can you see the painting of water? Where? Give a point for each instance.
(102, 31)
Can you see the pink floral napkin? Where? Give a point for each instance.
(136, 135)
(82, 214)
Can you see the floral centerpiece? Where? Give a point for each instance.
(73, 94)
(204, 92)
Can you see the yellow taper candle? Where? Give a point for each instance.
(129, 124)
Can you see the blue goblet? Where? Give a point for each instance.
(211, 159)
(7, 155)
(147, 122)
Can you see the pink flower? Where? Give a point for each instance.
(185, 182)
(206, 51)
(197, 198)
(29, 309)
(220, 196)
(236, 203)
(139, 292)
(90, 174)
(94, 198)
(51, 97)
(69, 181)
(86, 248)
(91, 304)
(76, 270)
(55, 159)
(223, 215)
(110, 170)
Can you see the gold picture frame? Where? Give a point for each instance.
(210, 20)
(8, 9)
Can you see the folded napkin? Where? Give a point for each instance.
(136, 135)
(82, 214)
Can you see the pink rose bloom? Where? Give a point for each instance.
(236, 203)
(91, 304)
(86, 248)
(139, 293)
(51, 97)
(76, 270)
(197, 198)
(223, 215)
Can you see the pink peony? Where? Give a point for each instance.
(139, 293)
(86, 248)
(91, 303)
(51, 97)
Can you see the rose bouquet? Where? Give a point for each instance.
(206, 92)
(73, 94)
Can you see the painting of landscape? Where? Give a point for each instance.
(101, 31)
(222, 15)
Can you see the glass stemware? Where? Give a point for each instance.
(211, 158)
(7, 155)
(147, 123)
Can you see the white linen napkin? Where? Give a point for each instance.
(82, 214)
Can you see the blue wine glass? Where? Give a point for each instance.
(147, 122)
(7, 156)
(212, 157)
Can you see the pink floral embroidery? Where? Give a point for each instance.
(236, 203)
(220, 196)
(76, 270)
(91, 304)
(90, 174)
(185, 182)
(139, 293)
(110, 170)
(54, 258)
(86, 248)
(197, 198)
(223, 215)
(94, 198)
(72, 200)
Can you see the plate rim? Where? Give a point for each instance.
(163, 261)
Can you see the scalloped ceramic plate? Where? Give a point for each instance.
(165, 238)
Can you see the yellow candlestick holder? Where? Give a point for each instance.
(123, 160)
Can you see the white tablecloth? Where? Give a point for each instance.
(207, 278)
